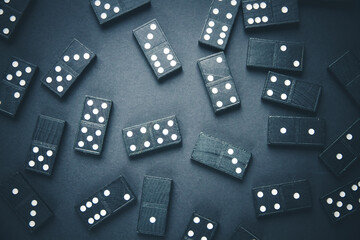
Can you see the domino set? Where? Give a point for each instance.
(15, 84)
(200, 228)
(67, 69)
(282, 198)
(290, 92)
(343, 201)
(25, 202)
(165, 132)
(92, 127)
(299, 131)
(273, 54)
(154, 206)
(45, 144)
(157, 49)
(346, 70)
(344, 151)
(10, 14)
(221, 156)
(219, 82)
(151, 136)
(269, 12)
(111, 9)
(219, 23)
(105, 203)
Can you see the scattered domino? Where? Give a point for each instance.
(243, 234)
(10, 14)
(152, 135)
(105, 203)
(68, 68)
(221, 156)
(200, 228)
(154, 206)
(25, 202)
(261, 13)
(106, 10)
(93, 124)
(219, 22)
(342, 202)
(273, 54)
(157, 49)
(291, 92)
(45, 145)
(219, 82)
(282, 198)
(344, 151)
(299, 131)
(13, 87)
(346, 70)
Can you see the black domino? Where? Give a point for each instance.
(344, 151)
(106, 10)
(261, 13)
(346, 70)
(219, 82)
(221, 156)
(25, 202)
(291, 92)
(15, 84)
(92, 128)
(219, 22)
(106, 202)
(10, 15)
(200, 228)
(243, 234)
(157, 49)
(45, 145)
(297, 131)
(68, 68)
(154, 206)
(282, 198)
(152, 135)
(342, 202)
(273, 54)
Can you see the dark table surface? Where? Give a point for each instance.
(122, 74)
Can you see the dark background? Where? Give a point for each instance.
(121, 73)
